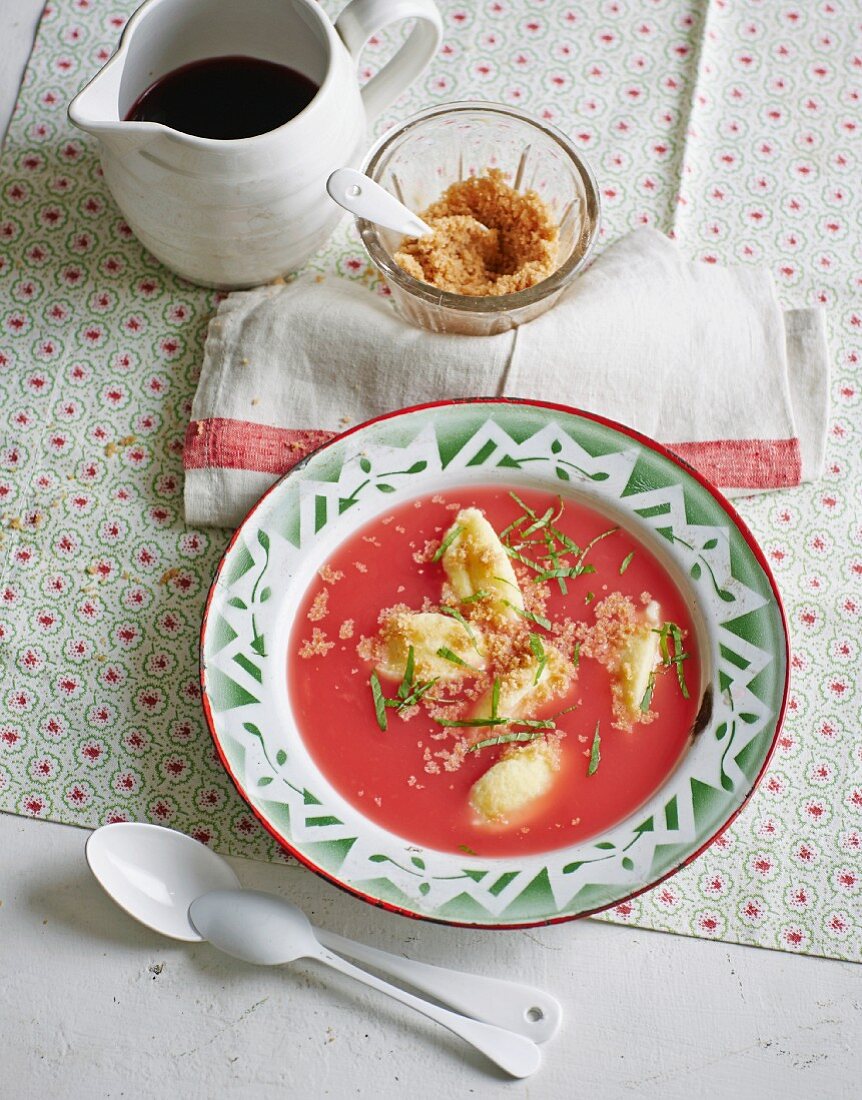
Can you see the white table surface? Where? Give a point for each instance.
(93, 1005)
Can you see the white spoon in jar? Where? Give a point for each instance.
(362, 197)
(155, 874)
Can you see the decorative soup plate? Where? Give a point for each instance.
(259, 603)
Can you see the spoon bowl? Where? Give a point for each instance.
(155, 874)
(255, 927)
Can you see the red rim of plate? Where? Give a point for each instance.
(652, 445)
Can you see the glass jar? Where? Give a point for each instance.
(419, 159)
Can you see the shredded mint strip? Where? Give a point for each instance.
(524, 507)
(565, 710)
(502, 739)
(595, 753)
(379, 701)
(454, 613)
(538, 524)
(540, 655)
(551, 535)
(650, 688)
(524, 561)
(409, 691)
(574, 571)
(472, 723)
(554, 558)
(447, 541)
(417, 694)
(513, 525)
(592, 543)
(539, 620)
(679, 657)
(478, 723)
(663, 633)
(407, 681)
(564, 539)
(495, 696)
(626, 562)
(670, 632)
(449, 655)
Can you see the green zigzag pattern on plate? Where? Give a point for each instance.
(402, 458)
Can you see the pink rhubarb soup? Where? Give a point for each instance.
(494, 671)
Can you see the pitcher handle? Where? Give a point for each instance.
(363, 18)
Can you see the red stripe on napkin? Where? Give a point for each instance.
(758, 463)
(241, 445)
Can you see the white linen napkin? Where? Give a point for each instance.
(697, 356)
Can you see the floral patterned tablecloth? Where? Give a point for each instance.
(734, 126)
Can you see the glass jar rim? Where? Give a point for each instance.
(500, 303)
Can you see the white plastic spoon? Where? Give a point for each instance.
(155, 874)
(282, 933)
(361, 196)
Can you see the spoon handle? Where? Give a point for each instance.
(362, 197)
(515, 1054)
(520, 1008)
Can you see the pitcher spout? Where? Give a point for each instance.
(96, 108)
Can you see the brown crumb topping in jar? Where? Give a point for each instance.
(488, 239)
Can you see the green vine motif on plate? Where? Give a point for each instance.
(720, 734)
(257, 643)
(418, 870)
(612, 850)
(556, 447)
(382, 486)
(275, 766)
(695, 572)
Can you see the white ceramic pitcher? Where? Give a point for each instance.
(240, 212)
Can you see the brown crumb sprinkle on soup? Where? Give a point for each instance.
(475, 692)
